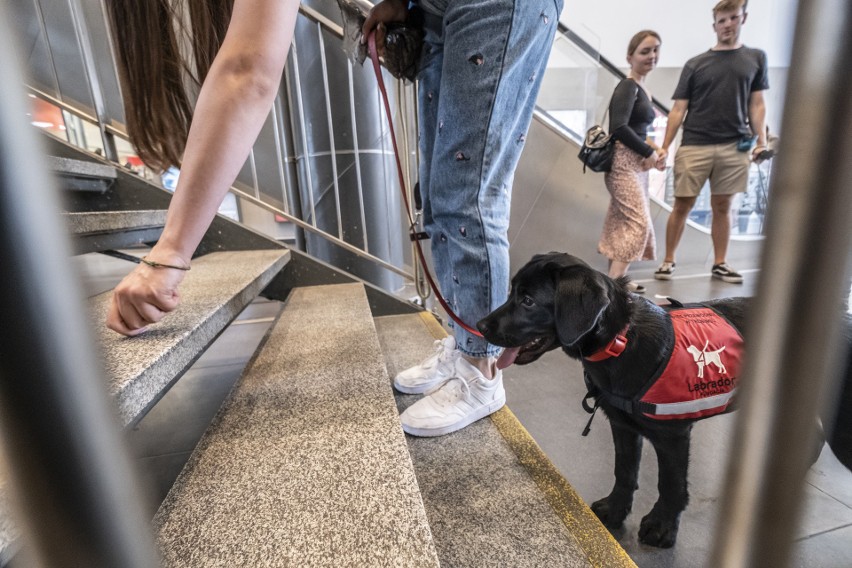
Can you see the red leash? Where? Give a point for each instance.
(412, 233)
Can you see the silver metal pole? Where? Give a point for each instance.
(794, 338)
(76, 491)
(332, 150)
(90, 69)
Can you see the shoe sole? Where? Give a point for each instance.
(729, 279)
(478, 414)
(663, 276)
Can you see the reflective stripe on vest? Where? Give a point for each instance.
(701, 376)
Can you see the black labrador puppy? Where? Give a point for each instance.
(623, 341)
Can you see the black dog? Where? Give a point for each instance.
(557, 300)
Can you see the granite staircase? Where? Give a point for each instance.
(305, 463)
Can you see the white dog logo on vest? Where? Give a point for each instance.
(704, 357)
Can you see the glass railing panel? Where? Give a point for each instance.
(38, 59)
(575, 89)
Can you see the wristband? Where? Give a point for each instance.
(152, 264)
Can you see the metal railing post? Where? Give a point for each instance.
(93, 80)
(794, 334)
(75, 487)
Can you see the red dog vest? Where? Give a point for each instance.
(698, 377)
(701, 376)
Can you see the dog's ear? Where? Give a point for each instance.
(581, 298)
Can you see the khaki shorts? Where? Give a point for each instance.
(722, 164)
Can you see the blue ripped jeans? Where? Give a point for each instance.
(482, 66)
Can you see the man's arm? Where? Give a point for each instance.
(757, 120)
(675, 120)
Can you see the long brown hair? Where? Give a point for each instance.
(639, 37)
(156, 75)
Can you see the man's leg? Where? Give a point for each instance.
(676, 224)
(729, 177)
(692, 167)
(720, 229)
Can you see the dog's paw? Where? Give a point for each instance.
(611, 512)
(658, 530)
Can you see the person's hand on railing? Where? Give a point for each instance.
(146, 295)
(383, 13)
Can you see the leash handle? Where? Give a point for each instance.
(371, 40)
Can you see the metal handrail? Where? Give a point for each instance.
(308, 227)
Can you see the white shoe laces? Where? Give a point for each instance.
(449, 392)
(441, 353)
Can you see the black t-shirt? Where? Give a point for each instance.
(717, 85)
(630, 115)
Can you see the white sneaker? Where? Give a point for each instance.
(462, 400)
(432, 372)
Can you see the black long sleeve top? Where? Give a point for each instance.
(630, 115)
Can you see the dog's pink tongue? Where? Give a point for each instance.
(507, 357)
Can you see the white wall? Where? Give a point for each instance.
(684, 25)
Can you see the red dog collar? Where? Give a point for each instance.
(612, 349)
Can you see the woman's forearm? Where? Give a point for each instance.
(232, 106)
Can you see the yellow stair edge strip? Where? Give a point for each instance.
(595, 540)
(601, 548)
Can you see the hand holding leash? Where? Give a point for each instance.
(381, 14)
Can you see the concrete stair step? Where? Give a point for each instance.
(140, 369)
(491, 495)
(81, 175)
(105, 230)
(306, 462)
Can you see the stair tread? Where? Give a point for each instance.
(218, 287)
(109, 221)
(514, 520)
(306, 462)
(83, 168)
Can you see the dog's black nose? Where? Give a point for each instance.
(482, 326)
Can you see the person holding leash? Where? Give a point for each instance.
(719, 101)
(480, 73)
(628, 231)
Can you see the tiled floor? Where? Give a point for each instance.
(546, 398)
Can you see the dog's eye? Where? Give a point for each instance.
(527, 301)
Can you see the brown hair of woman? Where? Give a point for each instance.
(164, 50)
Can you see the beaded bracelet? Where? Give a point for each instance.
(153, 264)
